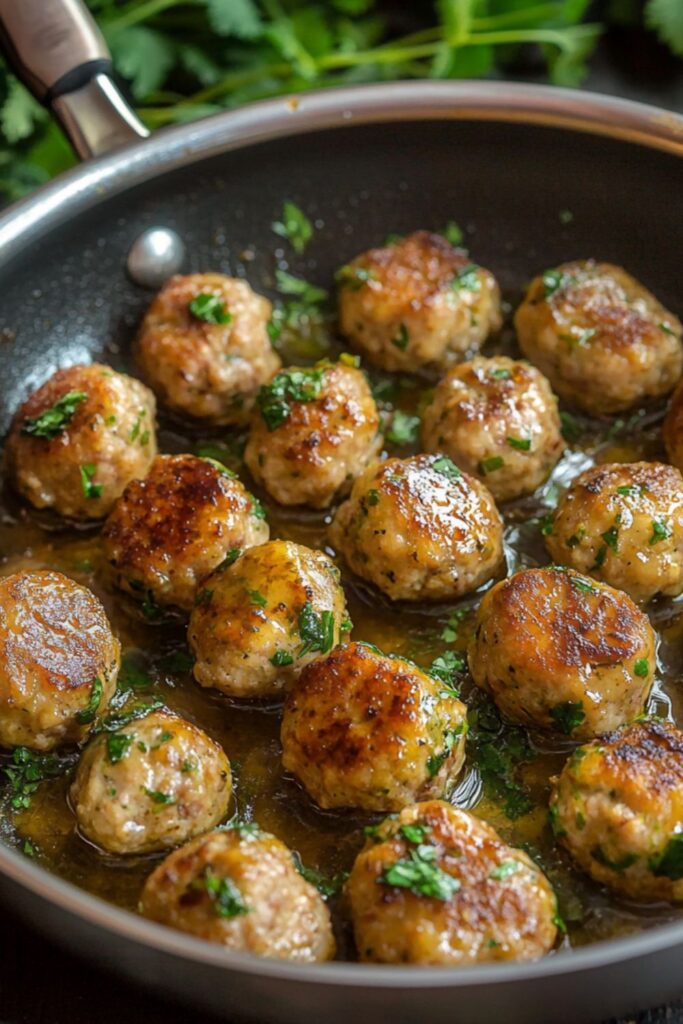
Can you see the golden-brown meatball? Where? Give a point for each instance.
(80, 438)
(419, 529)
(417, 303)
(204, 348)
(361, 729)
(602, 339)
(623, 523)
(672, 432)
(438, 886)
(314, 431)
(559, 651)
(618, 808)
(151, 785)
(258, 622)
(166, 533)
(240, 888)
(58, 660)
(498, 420)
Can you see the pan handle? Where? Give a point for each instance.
(59, 53)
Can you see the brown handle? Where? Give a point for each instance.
(59, 53)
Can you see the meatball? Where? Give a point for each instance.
(204, 347)
(623, 523)
(673, 429)
(557, 650)
(151, 785)
(240, 887)
(602, 339)
(498, 420)
(361, 729)
(258, 622)
(316, 429)
(58, 660)
(618, 808)
(419, 529)
(417, 303)
(438, 886)
(166, 533)
(80, 438)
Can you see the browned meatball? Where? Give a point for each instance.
(314, 431)
(560, 651)
(166, 533)
(438, 886)
(673, 429)
(240, 888)
(603, 340)
(58, 660)
(204, 347)
(80, 438)
(498, 420)
(417, 303)
(364, 730)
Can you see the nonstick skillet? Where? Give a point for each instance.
(365, 161)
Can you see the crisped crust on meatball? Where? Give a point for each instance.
(418, 528)
(324, 440)
(417, 303)
(557, 650)
(206, 370)
(672, 431)
(494, 903)
(240, 888)
(623, 523)
(498, 420)
(58, 660)
(103, 437)
(602, 339)
(364, 730)
(166, 533)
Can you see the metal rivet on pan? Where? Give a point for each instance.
(154, 256)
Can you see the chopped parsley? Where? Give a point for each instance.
(316, 630)
(554, 281)
(137, 426)
(446, 467)
(413, 833)
(404, 428)
(90, 490)
(600, 557)
(27, 770)
(505, 869)
(631, 490)
(500, 373)
(598, 854)
(257, 598)
(117, 746)
(418, 873)
(449, 633)
(116, 720)
(257, 510)
(453, 233)
(436, 761)
(225, 896)
(209, 308)
(498, 754)
(576, 538)
(325, 885)
(282, 658)
(611, 538)
(90, 710)
(402, 339)
(274, 399)
(491, 464)
(230, 559)
(54, 420)
(446, 667)
(467, 279)
(353, 277)
(163, 799)
(294, 226)
(522, 444)
(669, 864)
(309, 294)
(568, 716)
(641, 667)
(372, 497)
(660, 531)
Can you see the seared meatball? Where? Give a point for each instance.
(618, 808)
(498, 420)
(419, 529)
(151, 785)
(417, 303)
(673, 429)
(80, 438)
(258, 622)
(557, 650)
(364, 730)
(438, 886)
(315, 430)
(623, 523)
(58, 660)
(204, 347)
(240, 888)
(166, 533)
(602, 339)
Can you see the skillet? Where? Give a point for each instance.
(503, 159)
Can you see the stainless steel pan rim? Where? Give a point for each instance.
(88, 185)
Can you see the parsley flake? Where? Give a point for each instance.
(90, 711)
(669, 863)
(554, 281)
(446, 467)
(453, 233)
(353, 277)
(226, 898)
(282, 658)
(402, 339)
(288, 284)
(467, 279)
(567, 716)
(294, 226)
(660, 531)
(90, 490)
(404, 428)
(491, 464)
(54, 420)
(522, 444)
(209, 308)
(505, 869)
(420, 875)
(117, 746)
(316, 630)
(163, 799)
(274, 399)
(257, 598)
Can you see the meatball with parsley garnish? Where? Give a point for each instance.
(623, 523)
(258, 622)
(558, 651)
(204, 348)
(166, 533)
(498, 420)
(361, 729)
(438, 886)
(150, 785)
(58, 660)
(79, 439)
(417, 303)
(419, 529)
(603, 340)
(240, 887)
(617, 807)
(313, 431)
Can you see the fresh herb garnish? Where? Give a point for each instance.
(230, 559)
(27, 770)
(309, 294)
(282, 658)
(402, 339)
(467, 279)
(568, 716)
(257, 509)
(294, 226)
(554, 281)
(500, 373)
(89, 712)
(446, 667)
(660, 531)
(598, 854)
(421, 875)
(54, 420)
(163, 799)
(505, 869)
(118, 719)
(611, 538)
(90, 489)
(498, 753)
(353, 277)
(446, 467)
(325, 885)
(117, 746)
(669, 864)
(631, 490)
(436, 761)
(372, 497)
(316, 630)
(453, 233)
(209, 308)
(414, 833)
(491, 464)
(449, 633)
(404, 428)
(274, 399)
(226, 898)
(522, 444)
(257, 598)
